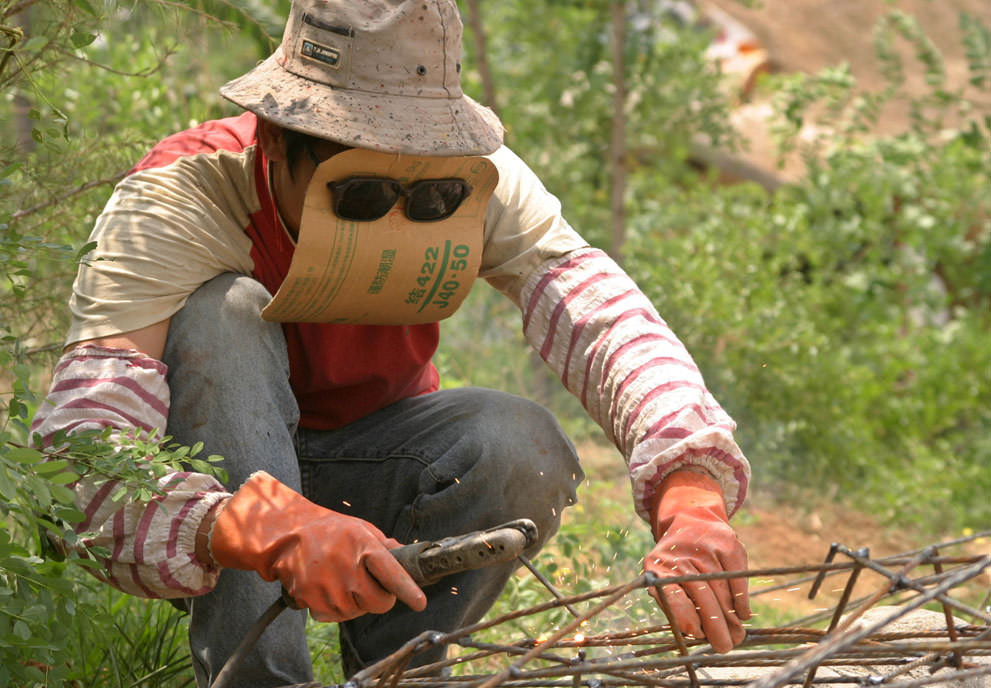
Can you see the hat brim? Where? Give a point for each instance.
(388, 123)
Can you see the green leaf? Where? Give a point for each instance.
(85, 6)
(84, 249)
(64, 478)
(35, 43)
(53, 466)
(69, 514)
(80, 39)
(15, 408)
(24, 455)
(8, 490)
(22, 630)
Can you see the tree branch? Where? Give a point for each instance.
(113, 179)
(18, 8)
(617, 147)
(204, 14)
(108, 68)
(477, 28)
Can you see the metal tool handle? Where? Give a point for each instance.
(428, 562)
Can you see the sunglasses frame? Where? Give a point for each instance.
(338, 188)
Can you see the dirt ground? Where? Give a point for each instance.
(780, 535)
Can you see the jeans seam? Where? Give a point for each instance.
(330, 459)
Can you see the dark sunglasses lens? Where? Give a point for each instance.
(435, 200)
(365, 199)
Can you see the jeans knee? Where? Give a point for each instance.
(227, 298)
(535, 463)
(223, 316)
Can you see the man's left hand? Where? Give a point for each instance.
(693, 536)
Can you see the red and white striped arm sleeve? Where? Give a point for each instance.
(152, 544)
(599, 333)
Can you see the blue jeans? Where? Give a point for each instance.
(423, 468)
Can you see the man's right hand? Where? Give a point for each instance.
(693, 534)
(336, 565)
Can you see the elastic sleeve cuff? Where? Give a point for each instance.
(711, 452)
(186, 538)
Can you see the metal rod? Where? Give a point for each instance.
(848, 635)
(547, 584)
(676, 632)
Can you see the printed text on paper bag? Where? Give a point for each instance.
(439, 276)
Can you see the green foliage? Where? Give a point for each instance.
(130, 642)
(552, 69)
(844, 322)
(87, 87)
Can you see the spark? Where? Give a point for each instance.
(554, 511)
(579, 638)
(457, 481)
(454, 590)
(346, 503)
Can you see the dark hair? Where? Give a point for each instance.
(297, 144)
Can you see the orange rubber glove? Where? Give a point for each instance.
(693, 536)
(336, 565)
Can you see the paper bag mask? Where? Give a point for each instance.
(389, 271)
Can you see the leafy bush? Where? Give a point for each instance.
(844, 321)
(78, 134)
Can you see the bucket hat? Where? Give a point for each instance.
(378, 74)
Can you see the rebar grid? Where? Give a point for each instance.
(855, 647)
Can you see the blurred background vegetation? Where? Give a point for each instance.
(843, 319)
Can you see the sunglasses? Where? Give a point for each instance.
(363, 199)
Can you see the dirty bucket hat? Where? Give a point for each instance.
(377, 74)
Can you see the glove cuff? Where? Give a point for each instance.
(252, 525)
(686, 493)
